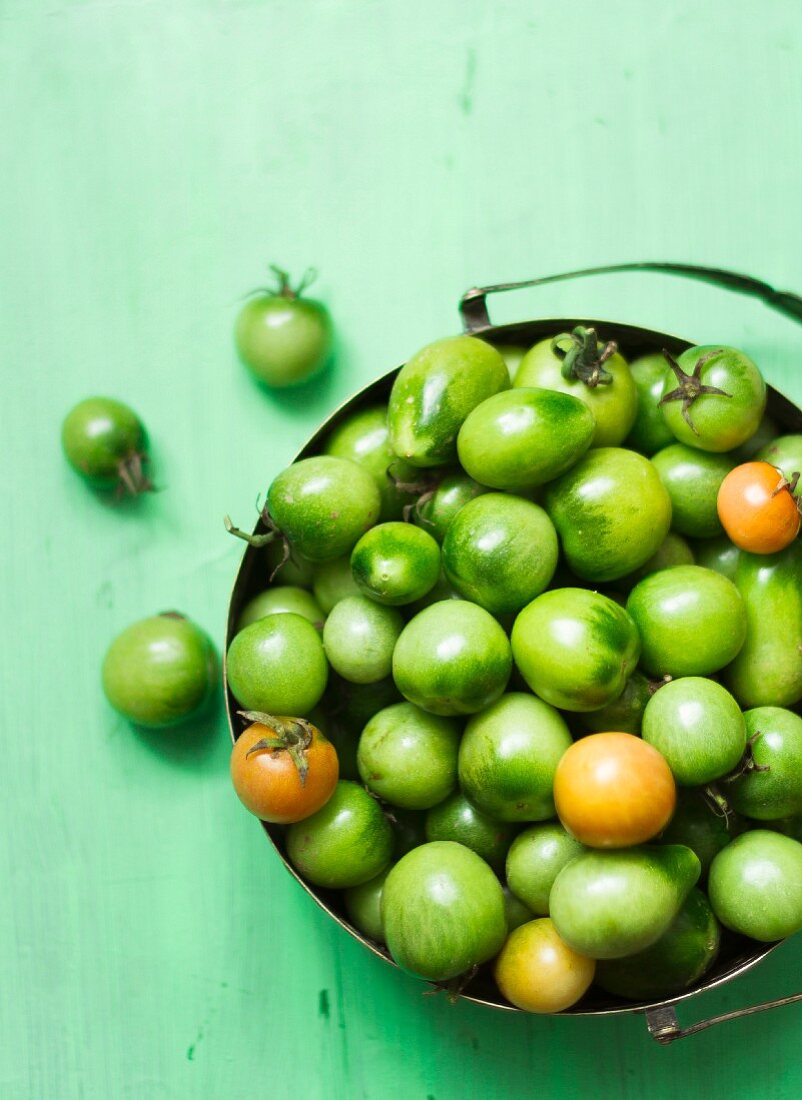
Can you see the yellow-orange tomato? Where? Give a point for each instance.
(539, 972)
(757, 508)
(613, 790)
(283, 769)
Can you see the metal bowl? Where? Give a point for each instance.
(738, 954)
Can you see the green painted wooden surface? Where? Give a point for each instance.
(155, 157)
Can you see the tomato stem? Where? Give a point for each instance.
(690, 385)
(748, 763)
(582, 358)
(293, 735)
(133, 479)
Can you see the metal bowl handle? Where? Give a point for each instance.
(475, 318)
(664, 1026)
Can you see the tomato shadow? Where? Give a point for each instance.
(313, 398)
(195, 742)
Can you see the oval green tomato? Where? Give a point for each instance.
(693, 479)
(452, 658)
(458, 819)
(363, 906)
(575, 649)
(611, 512)
(755, 885)
(536, 857)
(609, 904)
(698, 727)
(364, 438)
(500, 552)
(409, 757)
(772, 789)
(347, 842)
(784, 452)
(443, 911)
(691, 621)
(434, 392)
(277, 665)
(699, 826)
(359, 638)
(685, 951)
(523, 438)
(650, 432)
(713, 421)
(613, 405)
(508, 757)
(396, 563)
(453, 491)
(278, 601)
(323, 504)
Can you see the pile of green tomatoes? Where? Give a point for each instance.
(519, 684)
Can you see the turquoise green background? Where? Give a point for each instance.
(154, 158)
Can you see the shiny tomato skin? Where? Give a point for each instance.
(268, 783)
(757, 508)
(538, 972)
(612, 790)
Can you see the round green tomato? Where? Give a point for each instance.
(347, 842)
(698, 727)
(443, 911)
(323, 504)
(679, 958)
(452, 658)
(282, 338)
(500, 551)
(614, 405)
(784, 452)
(277, 666)
(278, 601)
(699, 826)
(104, 441)
(454, 490)
(356, 704)
(508, 757)
(719, 554)
(536, 857)
(673, 550)
(624, 714)
(333, 581)
(409, 757)
(575, 649)
(755, 885)
(611, 512)
(703, 418)
(693, 479)
(522, 438)
(691, 621)
(363, 906)
(767, 431)
(396, 563)
(459, 820)
(359, 637)
(650, 432)
(364, 438)
(160, 670)
(434, 392)
(773, 789)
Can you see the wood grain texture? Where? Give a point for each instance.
(155, 158)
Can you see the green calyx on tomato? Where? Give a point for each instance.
(583, 357)
(104, 441)
(290, 735)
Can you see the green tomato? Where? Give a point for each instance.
(767, 431)
(396, 563)
(347, 842)
(434, 392)
(699, 826)
(713, 397)
(500, 551)
(160, 670)
(104, 441)
(282, 338)
(443, 911)
(333, 581)
(773, 789)
(515, 911)
(359, 637)
(784, 452)
(691, 621)
(508, 756)
(323, 504)
(452, 658)
(277, 665)
(624, 714)
(698, 727)
(512, 355)
(693, 479)
(409, 757)
(575, 649)
(614, 404)
(536, 857)
(649, 433)
(755, 885)
(363, 906)
(459, 820)
(279, 600)
(357, 703)
(522, 438)
(454, 490)
(442, 590)
(719, 554)
(685, 951)
(611, 512)
(293, 570)
(673, 550)
(364, 438)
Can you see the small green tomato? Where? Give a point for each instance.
(104, 442)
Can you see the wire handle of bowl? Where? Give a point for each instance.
(475, 317)
(664, 1026)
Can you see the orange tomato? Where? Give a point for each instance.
(757, 508)
(538, 972)
(283, 769)
(613, 790)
